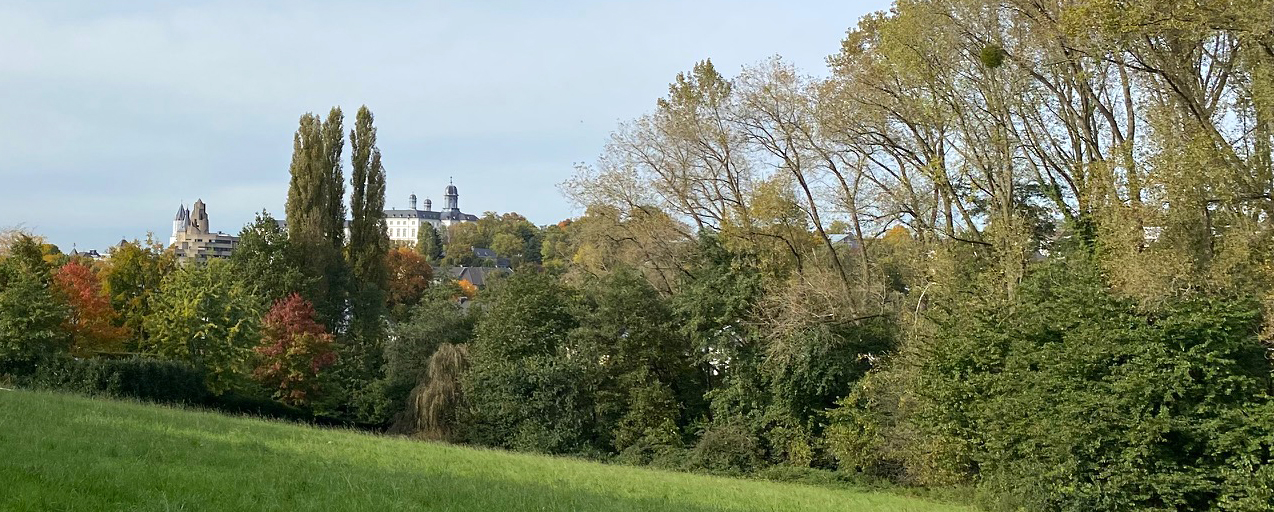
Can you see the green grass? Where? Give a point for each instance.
(64, 452)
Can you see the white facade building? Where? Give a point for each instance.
(403, 225)
(192, 240)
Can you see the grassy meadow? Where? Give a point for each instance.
(65, 452)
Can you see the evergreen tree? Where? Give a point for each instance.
(429, 242)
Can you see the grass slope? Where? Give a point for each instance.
(61, 452)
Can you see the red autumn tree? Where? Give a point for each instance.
(91, 322)
(294, 351)
(409, 276)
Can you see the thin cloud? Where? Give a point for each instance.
(125, 111)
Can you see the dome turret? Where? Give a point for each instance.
(451, 196)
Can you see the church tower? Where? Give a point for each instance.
(180, 221)
(199, 217)
(451, 198)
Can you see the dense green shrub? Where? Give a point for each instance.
(654, 453)
(140, 378)
(261, 404)
(155, 380)
(853, 435)
(524, 389)
(1071, 398)
(726, 449)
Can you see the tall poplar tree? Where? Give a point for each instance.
(333, 144)
(369, 241)
(316, 212)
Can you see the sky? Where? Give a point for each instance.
(112, 114)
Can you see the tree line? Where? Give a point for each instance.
(1016, 247)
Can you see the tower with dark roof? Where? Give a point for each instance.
(403, 226)
(180, 221)
(451, 197)
(193, 238)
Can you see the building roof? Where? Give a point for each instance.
(429, 215)
(477, 276)
(411, 214)
(458, 215)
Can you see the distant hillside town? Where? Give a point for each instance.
(193, 240)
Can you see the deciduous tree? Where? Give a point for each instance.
(293, 351)
(91, 321)
(130, 277)
(369, 241)
(316, 214)
(266, 262)
(32, 317)
(207, 316)
(524, 389)
(409, 276)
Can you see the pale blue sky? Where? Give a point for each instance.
(113, 115)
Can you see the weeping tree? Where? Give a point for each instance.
(432, 411)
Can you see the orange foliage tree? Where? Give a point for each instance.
(91, 322)
(294, 351)
(409, 276)
(467, 289)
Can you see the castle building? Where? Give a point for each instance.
(192, 238)
(403, 225)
